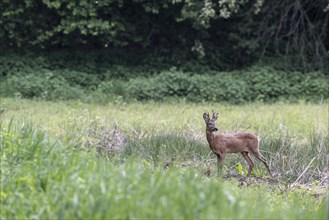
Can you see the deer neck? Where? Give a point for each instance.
(210, 135)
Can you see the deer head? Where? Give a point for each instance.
(211, 123)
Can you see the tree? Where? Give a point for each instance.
(240, 31)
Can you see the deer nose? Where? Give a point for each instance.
(215, 129)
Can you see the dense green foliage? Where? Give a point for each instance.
(199, 50)
(145, 50)
(53, 163)
(225, 33)
(257, 84)
(99, 77)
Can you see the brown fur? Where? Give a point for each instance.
(223, 143)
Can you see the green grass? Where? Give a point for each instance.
(75, 160)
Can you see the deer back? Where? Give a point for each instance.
(235, 142)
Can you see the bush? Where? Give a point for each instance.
(100, 65)
(79, 78)
(47, 86)
(103, 76)
(264, 85)
(261, 84)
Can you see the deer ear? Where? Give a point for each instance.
(206, 116)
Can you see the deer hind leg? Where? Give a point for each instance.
(260, 157)
(249, 161)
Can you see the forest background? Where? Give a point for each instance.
(232, 51)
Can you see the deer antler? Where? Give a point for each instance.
(214, 115)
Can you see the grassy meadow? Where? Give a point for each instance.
(70, 159)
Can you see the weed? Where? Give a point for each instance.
(151, 160)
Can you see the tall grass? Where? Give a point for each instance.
(72, 160)
(41, 179)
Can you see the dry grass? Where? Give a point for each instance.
(73, 160)
(292, 135)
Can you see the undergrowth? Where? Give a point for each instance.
(42, 179)
(72, 160)
(94, 79)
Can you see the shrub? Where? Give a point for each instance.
(172, 84)
(143, 89)
(103, 76)
(261, 84)
(47, 86)
(79, 78)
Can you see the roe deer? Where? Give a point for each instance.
(223, 143)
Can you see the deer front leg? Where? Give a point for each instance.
(220, 159)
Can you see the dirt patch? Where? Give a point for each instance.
(247, 181)
(317, 189)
